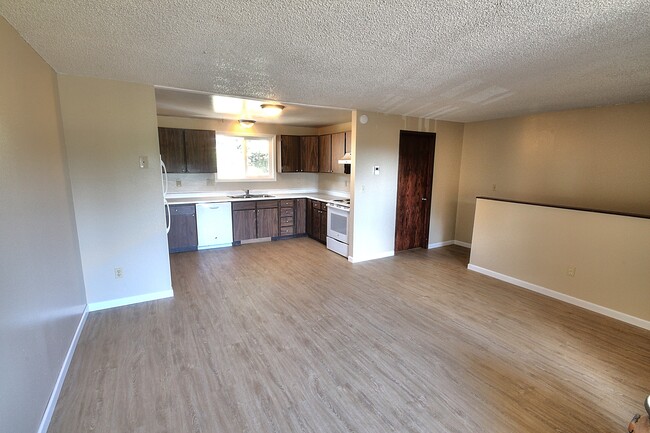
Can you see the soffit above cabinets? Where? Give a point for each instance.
(450, 60)
(184, 103)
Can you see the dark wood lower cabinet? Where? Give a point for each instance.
(300, 214)
(308, 218)
(317, 220)
(267, 223)
(182, 234)
(255, 219)
(244, 224)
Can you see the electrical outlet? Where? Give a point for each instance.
(144, 162)
(209, 181)
(179, 183)
(494, 187)
(119, 273)
(571, 271)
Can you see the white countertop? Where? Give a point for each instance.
(202, 197)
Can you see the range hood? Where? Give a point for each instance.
(347, 159)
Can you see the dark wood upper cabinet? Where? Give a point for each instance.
(172, 149)
(289, 153)
(200, 151)
(309, 153)
(313, 154)
(338, 150)
(325, 153)
(188, 150)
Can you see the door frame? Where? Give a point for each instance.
(424, 241)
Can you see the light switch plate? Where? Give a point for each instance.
(144, 162)
(375, 170)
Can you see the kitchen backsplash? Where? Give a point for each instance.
(299, 182)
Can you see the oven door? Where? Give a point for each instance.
(337, 223)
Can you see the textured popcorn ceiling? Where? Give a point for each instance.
(456, 60)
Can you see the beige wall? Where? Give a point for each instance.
(118, 206)
(375, 197)
(597, 157)
(535, 244)
(42, 293)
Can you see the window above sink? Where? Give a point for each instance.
(245, 158)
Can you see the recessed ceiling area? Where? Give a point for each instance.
(449, 60)
(186, 103)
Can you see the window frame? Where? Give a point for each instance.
(246, 135)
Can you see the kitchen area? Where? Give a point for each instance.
(233, 174)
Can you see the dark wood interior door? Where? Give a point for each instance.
(414, 181)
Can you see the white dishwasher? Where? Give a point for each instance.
(214, 225)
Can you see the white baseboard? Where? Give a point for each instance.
(641, 323)
(447, 243)
(104, 305)
(440, 244)
(54, 397)
(372, 257)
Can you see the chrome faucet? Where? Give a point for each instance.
(248, 191)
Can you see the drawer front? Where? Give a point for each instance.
(243, 205)
(267, 204)
(286, 203)
(286, 211)
(286, 231)
(182, 209)
(286, 221)
(316, 204)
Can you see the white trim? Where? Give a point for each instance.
(441, 244)
(463, 244)
(96, 306)
(54, 397)
(372, 257)
(641, 323)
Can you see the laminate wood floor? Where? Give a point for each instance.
(289, 337)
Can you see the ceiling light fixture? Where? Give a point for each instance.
(246, 123)
(272, 109)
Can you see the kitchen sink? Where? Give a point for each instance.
(251, 196)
